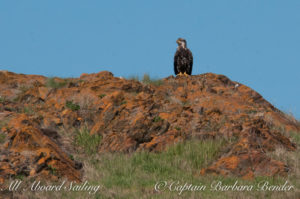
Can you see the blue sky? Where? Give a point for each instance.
(254, 42)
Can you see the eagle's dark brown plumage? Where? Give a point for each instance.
(183, 59)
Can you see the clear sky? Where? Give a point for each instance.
(255, 42)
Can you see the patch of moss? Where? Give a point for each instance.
(53, 83)
(71, 105)
(101, 96)
(157, 119)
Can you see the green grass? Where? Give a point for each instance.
(188, 155)
(2, 99)
(71, 105)
(185, 103)
(53, 83)
(141, 170)
(23, 89)
(251, 111)
(28, 110)
(177, 128)
(135, 175)
(157, 119)
(123, 102)
(71, 157)
(87, 143)
(101, 96)
(2, 138)
(3, 123)
(147, 80)
(52, 169)
(19, 177)
(295, 136)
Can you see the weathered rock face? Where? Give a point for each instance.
(132, 116)
(31, 150)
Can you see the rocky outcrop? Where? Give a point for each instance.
(132, 116)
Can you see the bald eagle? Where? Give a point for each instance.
(183, 59)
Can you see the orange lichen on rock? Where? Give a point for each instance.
(132, 116)
(30, 151)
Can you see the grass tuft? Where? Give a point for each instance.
(157, 119)
(2, 99)
(88, 143)
(2, 138)
(52, 169)
(295, 136)
(53, 83)
(147, 80)
(28, 110)
(72, 106)
(101, 96)
(123, 102)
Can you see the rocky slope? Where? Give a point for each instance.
(132, 116)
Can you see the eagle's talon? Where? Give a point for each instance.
(179, 74)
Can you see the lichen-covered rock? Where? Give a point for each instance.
(132, 116)
(31, 151)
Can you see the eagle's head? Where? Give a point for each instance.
(181, 42)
